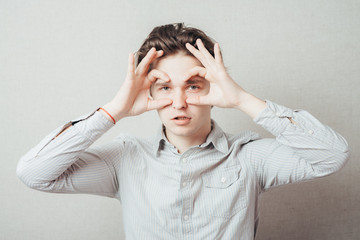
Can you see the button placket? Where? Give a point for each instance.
(185, 185)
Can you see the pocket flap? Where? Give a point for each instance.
(222, 178)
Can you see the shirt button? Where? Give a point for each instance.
(310, 131)
(186, 217)
(184, 184)
(278, 114)
(184, 160)
(223, 179)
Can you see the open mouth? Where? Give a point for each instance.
(181, 118)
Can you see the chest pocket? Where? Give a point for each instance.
(223, 194)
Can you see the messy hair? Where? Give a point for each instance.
(171, 38)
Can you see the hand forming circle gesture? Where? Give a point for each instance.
(224, 91)
(133, 97)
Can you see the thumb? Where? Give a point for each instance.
(157, 104)
(198, 100)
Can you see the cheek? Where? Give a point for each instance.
(200, 111)
(156, 94)
(163, 113)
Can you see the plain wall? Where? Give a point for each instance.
(62, 59)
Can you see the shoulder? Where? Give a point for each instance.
(242, 138)
(250, 144)
(131, 142)
(128, 139)
(125, 139)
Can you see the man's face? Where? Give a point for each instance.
(181, 119)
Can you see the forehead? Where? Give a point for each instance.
(176, 65)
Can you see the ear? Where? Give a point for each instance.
(150, 94)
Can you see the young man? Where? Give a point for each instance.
(192, 180)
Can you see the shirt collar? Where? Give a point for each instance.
(216, 137)
(159, 140)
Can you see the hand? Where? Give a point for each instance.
(133, 97)
(224, 91)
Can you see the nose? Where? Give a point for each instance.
(179, 100)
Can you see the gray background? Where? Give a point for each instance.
(62, 59)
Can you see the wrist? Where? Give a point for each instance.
(250, 104)
(107, 115)
(111, 112)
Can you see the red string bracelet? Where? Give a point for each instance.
(108, 114)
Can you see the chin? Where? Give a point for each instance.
(181, 130)
(188, 130)
(184, 133)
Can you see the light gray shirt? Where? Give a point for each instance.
(211, 191)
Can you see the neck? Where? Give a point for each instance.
(183, 143)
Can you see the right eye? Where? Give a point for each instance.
(164, 88)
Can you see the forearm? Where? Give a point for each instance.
(63, 131)
(253, 106)
(249, 104)
(100, 110)
(305, 150)
(314, 149)
(54, 155)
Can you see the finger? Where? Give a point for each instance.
(159, 53)
(131, 61)
(218, 55)
(203, 50)
(199, 100)
(196, 54)
(157, 74)
(145, 62)
(131, 65)
(158, 104)
(152, 59)
(195, 71)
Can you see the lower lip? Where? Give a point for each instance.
(182, 121)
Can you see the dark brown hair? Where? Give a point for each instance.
(171, 38)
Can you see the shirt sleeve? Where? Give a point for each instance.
(302, 151)
(66, 164)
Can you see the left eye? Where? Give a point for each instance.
(193, 87)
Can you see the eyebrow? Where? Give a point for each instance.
(160, 82)
(195, 81)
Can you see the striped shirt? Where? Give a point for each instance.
(211, 191)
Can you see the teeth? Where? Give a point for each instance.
(181, 118)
